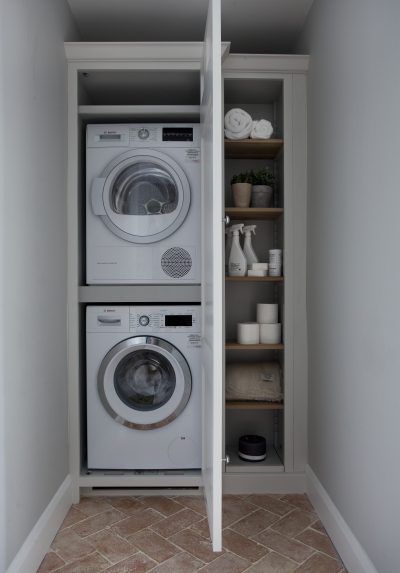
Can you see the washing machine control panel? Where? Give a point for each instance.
(144, 319)
(159, 319)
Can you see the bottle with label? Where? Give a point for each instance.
(237, 261)
(248, 250)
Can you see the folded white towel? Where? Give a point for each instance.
(262, 129)
(238, 124)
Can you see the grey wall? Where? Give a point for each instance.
(354, 265)
(33, 319)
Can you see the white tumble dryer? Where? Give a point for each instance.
(143, 387)
(143, 204)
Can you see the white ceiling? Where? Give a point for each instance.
(252, 26)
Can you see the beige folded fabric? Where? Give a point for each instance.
(260, 381)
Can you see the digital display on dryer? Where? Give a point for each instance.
(178, 320)
(177, 134)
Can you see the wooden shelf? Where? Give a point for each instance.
(252, 405)
(237, 346)
(271, 464)
(253, 148)
(255, 279)
(253, 213)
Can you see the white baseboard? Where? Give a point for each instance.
(349, 548)
(242, 483)
(36, 545)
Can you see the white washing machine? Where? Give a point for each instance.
(143, 387)
(143, 204)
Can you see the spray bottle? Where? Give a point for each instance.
(237, 261)
(228, 246)
(248, 250)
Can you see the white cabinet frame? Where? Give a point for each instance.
(187, 56)
(291, 70)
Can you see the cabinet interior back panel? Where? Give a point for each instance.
(235, 166)
(242, 422)
(261, 98)
(242, 306)
(140, 87)
(252, 90)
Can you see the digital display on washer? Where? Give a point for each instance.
(177, 134)
(178, 320)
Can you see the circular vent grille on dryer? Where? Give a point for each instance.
(176, 262)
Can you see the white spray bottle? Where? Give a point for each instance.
(237, 261)
(248, 250)
(228, 246)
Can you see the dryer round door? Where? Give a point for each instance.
(144, 382)
(142, 197)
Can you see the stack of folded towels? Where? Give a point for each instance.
(240, 125)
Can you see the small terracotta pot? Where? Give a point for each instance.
(241, 194)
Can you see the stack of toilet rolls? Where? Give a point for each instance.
(270, 328)
(267, 329)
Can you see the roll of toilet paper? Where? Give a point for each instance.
(267, 313)
(248, 333)
(270, 333)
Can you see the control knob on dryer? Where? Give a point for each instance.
(144, 320)
(143, 133)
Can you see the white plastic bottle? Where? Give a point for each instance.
(237, 260)
(248, 250)
(228, 246)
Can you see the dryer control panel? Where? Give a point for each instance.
(140, 135)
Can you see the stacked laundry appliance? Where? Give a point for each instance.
(143, 215)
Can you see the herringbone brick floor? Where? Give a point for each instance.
(262, 534)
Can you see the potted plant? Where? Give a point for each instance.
(262, 187)
(241, 185)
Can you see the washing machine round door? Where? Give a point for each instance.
(144, 382)
(142, 197)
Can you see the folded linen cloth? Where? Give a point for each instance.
(238, 124)
(262, 129)
(254, 381)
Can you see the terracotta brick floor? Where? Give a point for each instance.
(262, 534)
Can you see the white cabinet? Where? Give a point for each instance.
(271, 87)
(185, 82)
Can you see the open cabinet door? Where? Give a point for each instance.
(212, 271)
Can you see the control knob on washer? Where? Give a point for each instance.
(144, 320)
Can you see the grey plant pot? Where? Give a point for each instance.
(261, 196)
